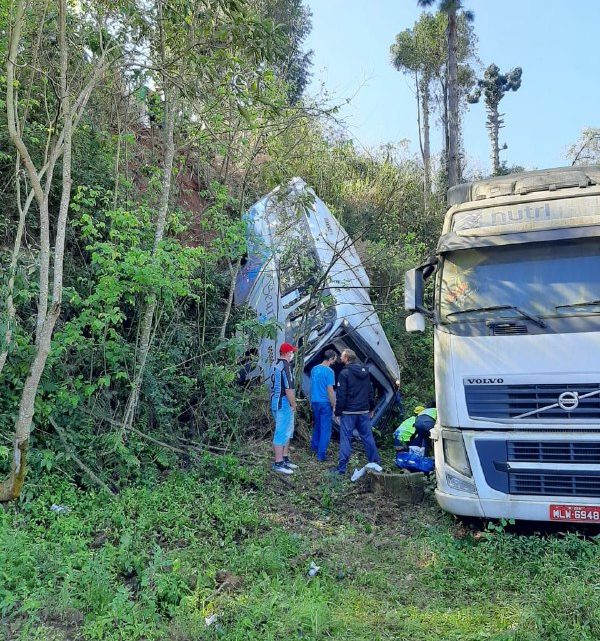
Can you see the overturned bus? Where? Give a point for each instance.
(303, 275)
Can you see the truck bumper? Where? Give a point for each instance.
(532, 509)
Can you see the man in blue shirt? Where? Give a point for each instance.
(283, 406)
(322, 400)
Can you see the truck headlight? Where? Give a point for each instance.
(459, 484)
(455, 453)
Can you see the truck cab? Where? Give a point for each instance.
(516, 318)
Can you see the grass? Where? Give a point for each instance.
(236, 542)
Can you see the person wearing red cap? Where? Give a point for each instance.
(283, 406)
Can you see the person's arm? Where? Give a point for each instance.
(371, 398)
(291, 397)
(331, 395)
(340, 402)
(330, 390)
(287, 386)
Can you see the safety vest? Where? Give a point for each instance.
(406, 430)
(430, 411)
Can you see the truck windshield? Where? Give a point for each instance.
(537, 279)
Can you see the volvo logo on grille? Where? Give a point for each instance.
(568, 401)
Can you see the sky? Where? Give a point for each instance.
(555, 42)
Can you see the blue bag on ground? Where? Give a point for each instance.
(414, 462)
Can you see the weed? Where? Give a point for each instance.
(146, 566)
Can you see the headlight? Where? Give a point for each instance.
(455, 453)
(459, 484)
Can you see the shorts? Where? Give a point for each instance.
(284, 425)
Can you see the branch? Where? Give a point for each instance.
(11, 106)
(70, 451)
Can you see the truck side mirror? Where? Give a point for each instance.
(413, 290)
(415, 322)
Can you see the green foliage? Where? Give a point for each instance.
(114, 567)
(293, 64)
(144, 566)
(494, 85)
(238, 136)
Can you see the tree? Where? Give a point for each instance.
(292, 64)
(452, 9)
(587, 148)
(207, 52)
(422, 53)
(494, 86)
(66, 102)
(416, 51)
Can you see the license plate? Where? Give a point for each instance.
(575, 513)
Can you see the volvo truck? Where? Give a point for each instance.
(516, 322)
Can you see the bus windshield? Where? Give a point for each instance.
(530, 280)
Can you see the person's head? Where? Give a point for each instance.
(329, 357)
(348, 356)
(287, 351)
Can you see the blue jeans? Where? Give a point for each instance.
(321, 435)
(361, 423)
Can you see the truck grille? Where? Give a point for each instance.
(554, 484)
(553, 452)
(511, 401)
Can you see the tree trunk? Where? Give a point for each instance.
(15, 136)
(494, 129)
(421, 145)
(11, 488)
(147, 321)
(453, 106)
(426, 149)
(444, 117)
(233, 274)
(10, 306)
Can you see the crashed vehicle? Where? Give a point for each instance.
(303, 275)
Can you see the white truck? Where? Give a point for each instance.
(516, 315)
(303, 275)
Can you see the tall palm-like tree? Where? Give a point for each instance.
(494, 85)
(451, 8)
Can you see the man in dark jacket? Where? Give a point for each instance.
(355, 402)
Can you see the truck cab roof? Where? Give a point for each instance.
(525, 183)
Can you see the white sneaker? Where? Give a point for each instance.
(281, 468)
(289, 464)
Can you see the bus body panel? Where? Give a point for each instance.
(295, 213)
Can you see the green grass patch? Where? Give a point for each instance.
(145, 566)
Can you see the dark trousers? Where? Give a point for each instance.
(321, 435)
(423, 426)
(361, 423)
